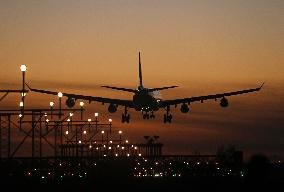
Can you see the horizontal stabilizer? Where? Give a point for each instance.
(120, 88)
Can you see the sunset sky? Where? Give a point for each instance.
(204, 47)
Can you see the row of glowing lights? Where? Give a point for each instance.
(102, 132)
(70, 114)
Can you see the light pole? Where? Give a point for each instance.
(23, 69)
(81, 105)
(120, 132)
(96, 120)
(51, 104)
(110, 120)
(102, 136)
(60, 95)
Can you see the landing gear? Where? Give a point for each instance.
(146, 115)
(125, 117)
(168, 117)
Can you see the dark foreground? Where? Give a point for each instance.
(140, 175)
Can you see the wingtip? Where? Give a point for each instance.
(261, 85)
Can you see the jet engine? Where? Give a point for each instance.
(112, 108)
(70, 102)
(224, 102)
(184, 108)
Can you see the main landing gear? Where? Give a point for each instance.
(125, 117)
(168, 117)
(146, 115)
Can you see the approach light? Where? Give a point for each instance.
(110, 120)
(81, 103)
(60, 94)
(102, 132)
(47, 120)
(126, 141)
(71, 114)
(20, 115)
(51, 103)
(84, 132)
(24, 94)
(23, 68)
(120, 132)
(66, 132)
(68, 120)
(80, 142)
(96, 114)
(21, 104)
(89, 120)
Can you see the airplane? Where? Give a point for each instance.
(146, 100)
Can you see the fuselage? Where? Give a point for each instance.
(145, 100)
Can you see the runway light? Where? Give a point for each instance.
(66, 132)
(47, 120)
(45, 114)
(23, 68)
(128, 154)
(110, 141)
(117, 146)
(89, 120)
(60, 94)
(24, 94)
(20, 115)
(110, 120)
(90, 146)
(80, 142)
(71, 114)
(135, 148)
(21, 104)
(116, 154)
(96, 114)
(126, 141)
(109, 147)
(85, 132)
(120, 132)
(102, 132)
(139, 154)
(81, 103)
(51, 103)
(68, 120)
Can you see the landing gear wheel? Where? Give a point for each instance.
(125, 117)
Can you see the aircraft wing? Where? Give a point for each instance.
(127, 103)
(166, 103)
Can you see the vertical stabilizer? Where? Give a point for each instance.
(140, 72)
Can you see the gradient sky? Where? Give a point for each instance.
(203, 46)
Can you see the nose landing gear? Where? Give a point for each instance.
(146, 115)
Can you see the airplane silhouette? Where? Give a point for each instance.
(146, 100)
